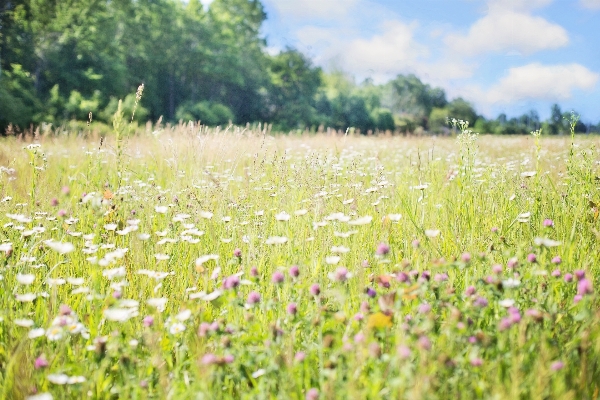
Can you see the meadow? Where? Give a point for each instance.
(193, 263)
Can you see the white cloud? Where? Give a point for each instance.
(392, 51)
(517, 5)
(326, 9)
(507, 30)
(538, 82)
(591, 4)
(394, 48)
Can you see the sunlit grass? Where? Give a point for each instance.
(235, 264)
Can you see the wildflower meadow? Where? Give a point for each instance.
(182, 262)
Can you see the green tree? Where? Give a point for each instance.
(555, 123)
(462, 109)
(294, 84)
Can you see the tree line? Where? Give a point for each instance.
(61, 60)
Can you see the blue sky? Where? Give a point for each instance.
(502, 55)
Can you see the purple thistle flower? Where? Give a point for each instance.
(253, 298)
(556, 273)
(512, 263)
(382, 249)
(470, 291)
(584, 286)
(515, 317)
(341, 274)
(416, 244)
(568, 277)
(440, 277)
(424, 308)
(312, 394)
(54, 202)
(209, 359)
(365, 307)
(497, 269)
(476, 362)
(148, 321)
(424, 343)
(117, 294)
(40, 362)
(294, 271)
(548, 223)
(237, 253)
(465, 257)
(481, 302)
(535, 314)
(300, 356)
(402, 277)
(254, 272)
(228, 358)
(292, 309)
(505, 324)
(556, 260)
(494, 229)
(64, 310)
(371, 292)
(65, 190)
(557, 365)
(579, 274)
(365, 264)
(231, 282)
(472, 339)
(358, 316)
(278, 277)
(531, 257)
(426, 275)
(203, 329)
(315, 289)
(577, 298)
(359, 337)
(403, 352)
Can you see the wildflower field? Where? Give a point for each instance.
(189, 263)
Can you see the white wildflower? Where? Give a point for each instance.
(160, 303)
(25, 323)
(282, 216)
(36, 333)
(506, 303)
(205, 214)
(276, 240)
(176, 328)
(119, 314)
(432, 233)
(25, 279)
(361, 221)
(511, 283)
(26, 298)
(60, 247)
(332, 260)
(58, 379)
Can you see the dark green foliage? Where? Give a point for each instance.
(62, 59)
(211, 114)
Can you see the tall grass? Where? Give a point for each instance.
(443, 266)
